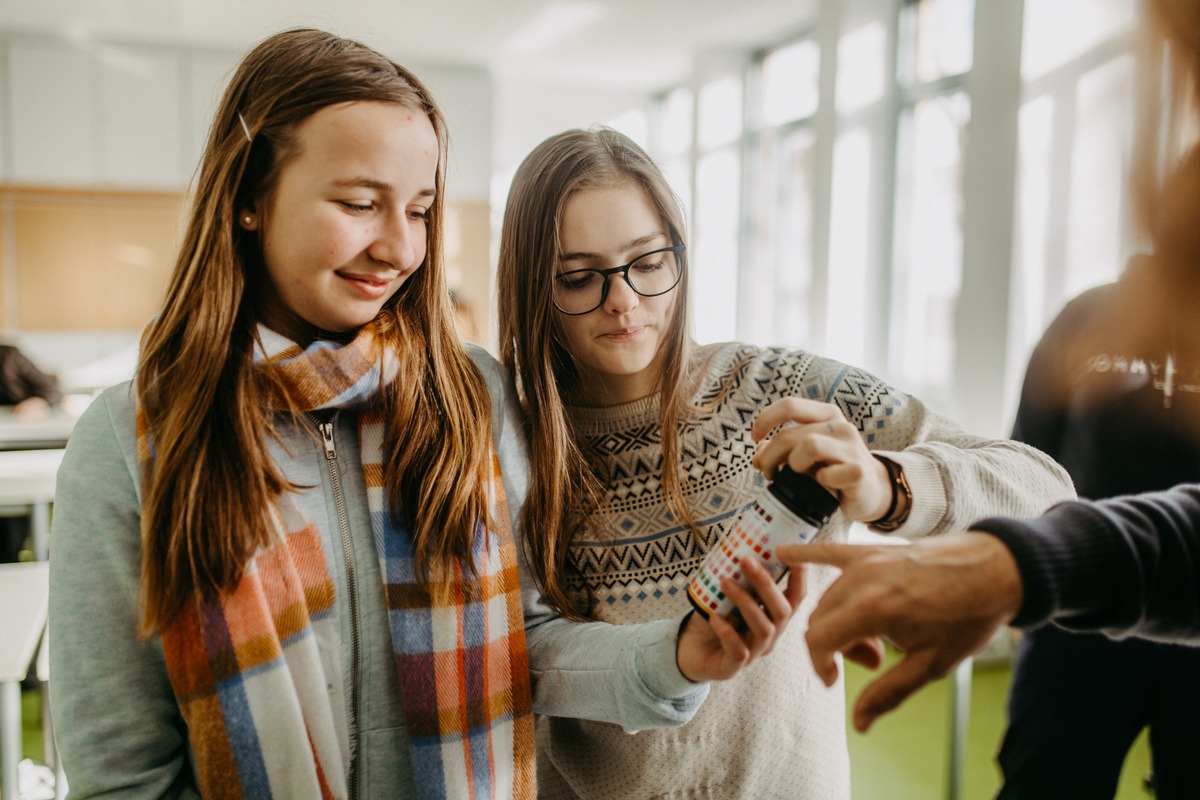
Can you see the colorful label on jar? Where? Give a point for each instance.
(758, 531)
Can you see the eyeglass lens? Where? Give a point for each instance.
(581, 291)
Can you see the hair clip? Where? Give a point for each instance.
(245, 127)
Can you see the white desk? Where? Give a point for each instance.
(49, 432)
(27, 479)
(24, 602)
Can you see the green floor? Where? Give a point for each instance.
(905, 755)
(31, 726)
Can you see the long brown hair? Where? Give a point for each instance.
(1167, 157)
(563, 488)
(211, 482)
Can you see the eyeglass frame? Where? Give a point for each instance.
(678, 250)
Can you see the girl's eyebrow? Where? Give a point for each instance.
(364, 183)
(580, 255)
(377, 185)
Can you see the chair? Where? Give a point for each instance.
(24, 604)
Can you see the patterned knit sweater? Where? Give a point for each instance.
(774, 731)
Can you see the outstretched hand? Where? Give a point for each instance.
(939, 600)
(817, 439)
(713, 649)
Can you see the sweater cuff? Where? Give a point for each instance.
(656, 664)
(1064, 559)
(928, 493)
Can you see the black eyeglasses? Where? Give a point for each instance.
(581, 291)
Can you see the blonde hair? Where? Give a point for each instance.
(563, 488)
(210, 486)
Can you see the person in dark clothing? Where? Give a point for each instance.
(1127, 566)
(1112, 392)
(30, 392)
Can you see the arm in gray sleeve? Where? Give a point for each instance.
(624, 674)
(117, 724)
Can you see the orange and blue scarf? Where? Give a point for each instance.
(245, 667)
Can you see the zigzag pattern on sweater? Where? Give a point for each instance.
(632, 549)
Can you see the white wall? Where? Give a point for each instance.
(88, 114)
(528, 112)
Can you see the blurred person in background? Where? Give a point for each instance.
(1112, 392)
(23, 386)
(30, 393)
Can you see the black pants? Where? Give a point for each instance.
(1078, 702)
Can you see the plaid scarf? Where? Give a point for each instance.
(245, 666)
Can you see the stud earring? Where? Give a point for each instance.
(247, 220)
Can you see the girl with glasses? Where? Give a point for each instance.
(645, 446)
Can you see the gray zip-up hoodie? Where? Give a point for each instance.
(118, 727)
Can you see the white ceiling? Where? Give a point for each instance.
(622, 44)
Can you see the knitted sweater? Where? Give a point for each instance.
(775, 731)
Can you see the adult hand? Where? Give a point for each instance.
(939, 600)
(714, 650)
(823, 443)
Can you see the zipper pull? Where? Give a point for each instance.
(326, 429)
(1169, 385)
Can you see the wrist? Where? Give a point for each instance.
(1001, 572)
(688, 619)
(655, 652)
(901, 504)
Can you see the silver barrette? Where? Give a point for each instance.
(245, 127)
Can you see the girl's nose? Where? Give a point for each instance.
(398, 242)
(621, 297)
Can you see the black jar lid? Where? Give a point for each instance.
(802, 494)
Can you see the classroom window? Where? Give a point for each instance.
(1075, 227)
(714, 257)
(942, 31)
(719, 114)
(934, 56)
(781, 293)
(790, 83)
(778, 270)
(927, 245)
